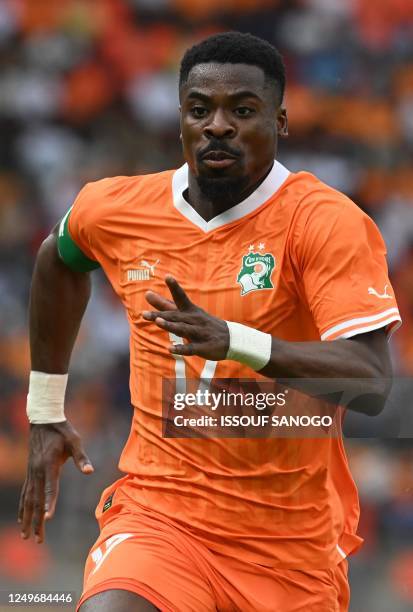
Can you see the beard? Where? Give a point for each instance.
(217, 186)
(222, 188)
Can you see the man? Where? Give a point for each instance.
(263, 266)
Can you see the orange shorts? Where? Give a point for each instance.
(150, 555)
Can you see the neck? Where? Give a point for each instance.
(209, 208)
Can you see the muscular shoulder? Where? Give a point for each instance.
(109, 195)
(317, 207)
(309, 196)
(322, 214)
(103, 207)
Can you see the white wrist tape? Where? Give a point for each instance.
(249, 346)
(46, 398)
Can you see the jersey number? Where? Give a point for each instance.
(207, 373)
(99, 556)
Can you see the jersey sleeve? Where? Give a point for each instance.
(74, 238)
(342, 259)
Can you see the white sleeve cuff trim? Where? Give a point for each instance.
(341, 551)
(362, 324)
(369, 328)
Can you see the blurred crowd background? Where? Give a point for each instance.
(88, 88)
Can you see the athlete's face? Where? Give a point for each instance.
(230, 121)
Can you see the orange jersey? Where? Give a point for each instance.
(321, 274)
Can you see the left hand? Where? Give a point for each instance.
(207, 336)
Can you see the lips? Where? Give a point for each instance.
(218, 159)
(218, 156)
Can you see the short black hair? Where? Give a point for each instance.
(237, 48)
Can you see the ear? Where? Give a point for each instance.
(282, 122)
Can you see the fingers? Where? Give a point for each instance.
(50, 446)
(21, 503)
(31, 508)
(181, 324)
(159, 302)
(179, 296)
(167, 315)
(82, 461)
(51, 490)
(192, 348)
(27, 511)
(179, 329)
(168, 308)
(38, 508)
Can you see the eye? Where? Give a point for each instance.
(244, 111)
(198, 112)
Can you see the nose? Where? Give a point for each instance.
(219, 126)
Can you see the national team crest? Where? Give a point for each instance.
(256, 271)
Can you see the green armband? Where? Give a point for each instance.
(69, 252)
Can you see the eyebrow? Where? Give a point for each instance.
(245, 93)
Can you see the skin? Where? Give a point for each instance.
(114, 599)
(55, 318)
(214, 117)
(366, 357)
(230, 107)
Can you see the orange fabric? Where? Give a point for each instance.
(282, 503)
(150, 555)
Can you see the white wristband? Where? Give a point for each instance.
(45, 401)
(248, 345)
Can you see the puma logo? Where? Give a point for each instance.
(142, 273)
(151, 267)
(382, 296)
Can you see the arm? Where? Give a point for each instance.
(58, 299)
(361, 363)
(365, 357)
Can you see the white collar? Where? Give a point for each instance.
(275, 179)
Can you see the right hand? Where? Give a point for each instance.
(49, 447)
